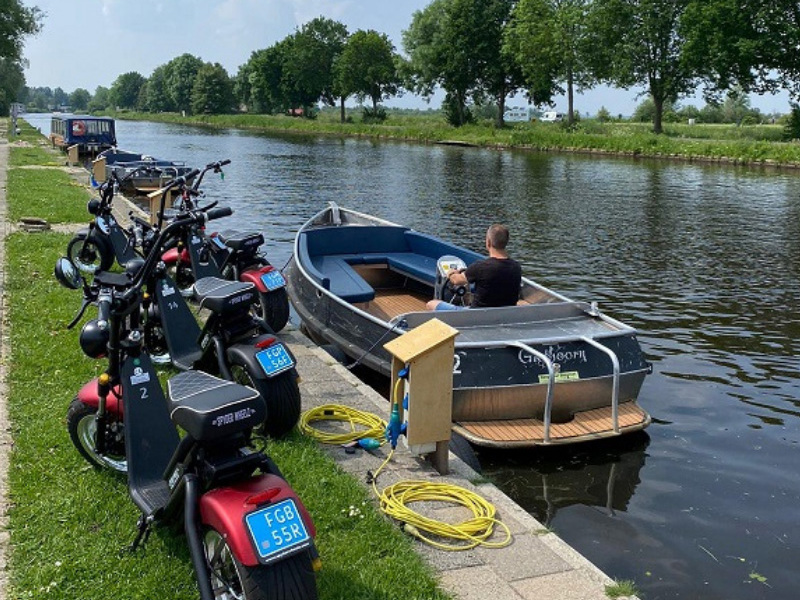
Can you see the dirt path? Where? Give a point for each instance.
(5, 433)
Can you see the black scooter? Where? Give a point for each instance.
(249, 534)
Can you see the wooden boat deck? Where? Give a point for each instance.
(588, 425)
(389, 303)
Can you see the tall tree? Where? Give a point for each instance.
(16, 22)
(308, 61)
(457, 45)
(181, 72)
(213, 90)
(367, 68)
(79, 99)
(125, 90)
(642, 42)
(11, 80)
(439, 56)
(260, 82)
(548, 39)
(158, 99)
(100, 100)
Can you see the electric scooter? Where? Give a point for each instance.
(96, 247)
(227, 255)
(249, 534)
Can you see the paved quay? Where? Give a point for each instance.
(537, 565)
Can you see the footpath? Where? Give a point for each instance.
(537, 565)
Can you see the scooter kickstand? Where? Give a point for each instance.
(144, 526)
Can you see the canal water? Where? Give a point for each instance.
(703, 260)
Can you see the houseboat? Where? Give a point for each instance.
(91, 134)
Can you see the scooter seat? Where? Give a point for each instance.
(209, 408)
(242, 242)
(222, 296)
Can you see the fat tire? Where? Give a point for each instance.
(274, 308)
(77, 414)
(289, 579)
(281, 394)
(104, 255)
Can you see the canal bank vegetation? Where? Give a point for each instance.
(69, 523)
(727, 144)
(481, 53)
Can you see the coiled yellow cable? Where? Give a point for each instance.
(362, 424)
(395, 499)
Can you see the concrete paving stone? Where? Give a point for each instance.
(323, 389)
(567, 585)
(525, 557)
(442, 560)
(479, 583)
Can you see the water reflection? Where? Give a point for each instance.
(601, 474)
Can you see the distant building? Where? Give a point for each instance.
(17, 108)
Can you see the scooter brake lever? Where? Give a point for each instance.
(79, 316)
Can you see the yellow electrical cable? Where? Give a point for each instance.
(370, 425)
(395, 499)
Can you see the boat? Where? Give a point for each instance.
(545, 372)
(91, 134)
(123, 162)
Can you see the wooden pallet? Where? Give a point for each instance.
(587, 425)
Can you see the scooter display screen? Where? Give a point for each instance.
(275, 359)
(277, 530)
(273, 280)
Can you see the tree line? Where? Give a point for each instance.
(480, 52)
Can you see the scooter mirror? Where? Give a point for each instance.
(67, 274)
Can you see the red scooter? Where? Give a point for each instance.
(249, 535)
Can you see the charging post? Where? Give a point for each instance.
(427, 352)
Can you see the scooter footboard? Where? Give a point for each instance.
(262, 519)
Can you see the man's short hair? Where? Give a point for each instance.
(498, 236)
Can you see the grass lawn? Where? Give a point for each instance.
(68, 521)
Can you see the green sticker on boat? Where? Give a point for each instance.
(563, 376)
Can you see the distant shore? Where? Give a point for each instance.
(746, 145)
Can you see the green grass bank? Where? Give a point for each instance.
(68, 521)
(752, 145)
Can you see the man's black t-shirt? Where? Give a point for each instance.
(496, 280)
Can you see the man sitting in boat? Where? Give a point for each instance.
(495, 280)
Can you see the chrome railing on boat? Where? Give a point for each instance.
(615, 386)
(551, 377)
(551, 374)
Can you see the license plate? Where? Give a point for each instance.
(275, 359)
(277, 530)
(273, 280)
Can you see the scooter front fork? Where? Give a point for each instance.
(194, 537)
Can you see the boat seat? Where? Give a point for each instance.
(209, 408)
(222, 296)
(417, 266)
(336, 275)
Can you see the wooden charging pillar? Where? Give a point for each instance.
(154, 199)
(428, 352)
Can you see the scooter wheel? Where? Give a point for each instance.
(273, 307)
(289, 579)
(90, 256)
(281, 395)
(82, 430)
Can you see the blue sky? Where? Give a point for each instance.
(86, 43)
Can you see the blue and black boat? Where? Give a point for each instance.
(547, 371)
(91, 134)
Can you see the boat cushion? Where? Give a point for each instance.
(354, 239)
(415, 265)
(426, 245)
(341, 279)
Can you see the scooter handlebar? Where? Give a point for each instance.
(219, 212)
(104, 305)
